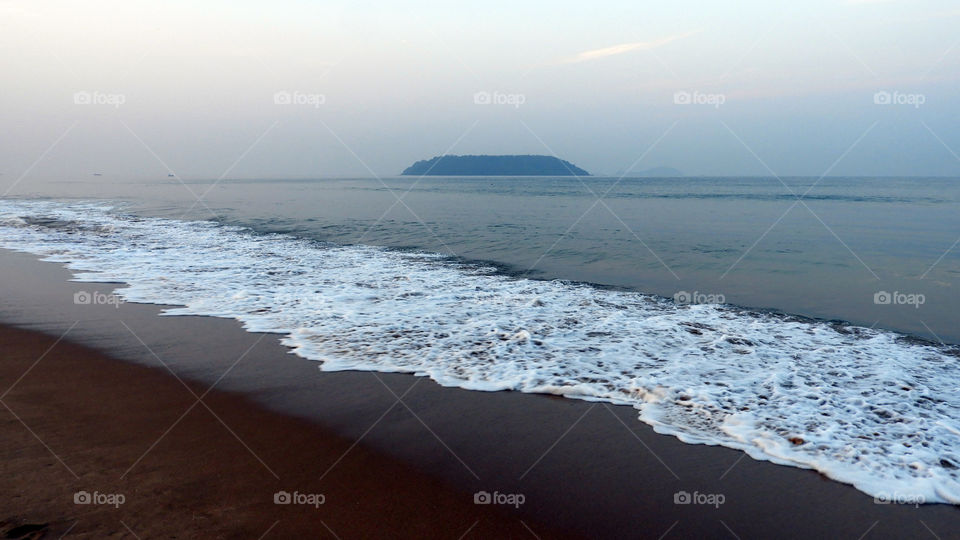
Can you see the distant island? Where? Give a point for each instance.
(494, 166)
(655, 172)
(662, 172)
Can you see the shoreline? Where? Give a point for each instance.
(166, 466)
(586, 468)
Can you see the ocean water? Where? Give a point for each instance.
(745, 239)
(442, 286)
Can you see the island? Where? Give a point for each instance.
(658, 172)
(529, 165)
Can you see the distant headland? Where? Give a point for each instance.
(661, 172)
(494, 166)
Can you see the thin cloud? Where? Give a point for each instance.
(8, 8)
(624, 48)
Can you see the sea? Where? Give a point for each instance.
(811, 322)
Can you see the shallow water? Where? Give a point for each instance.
(865, 406)
(745, 240)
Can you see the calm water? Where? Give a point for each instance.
(746, 239)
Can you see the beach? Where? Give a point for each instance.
(497, 270)
(582, 469)
(82, 425)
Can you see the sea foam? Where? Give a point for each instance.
(871, 408)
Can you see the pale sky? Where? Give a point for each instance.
(319, 89)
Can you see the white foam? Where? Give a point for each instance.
(871, 408)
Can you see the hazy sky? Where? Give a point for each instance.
(316, 89)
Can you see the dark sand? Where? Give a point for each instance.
(583, 468)
(79, 420)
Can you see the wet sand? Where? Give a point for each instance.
(583, 468)
(151, 461)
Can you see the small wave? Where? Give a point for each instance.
(866, 407)
(792, 193)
